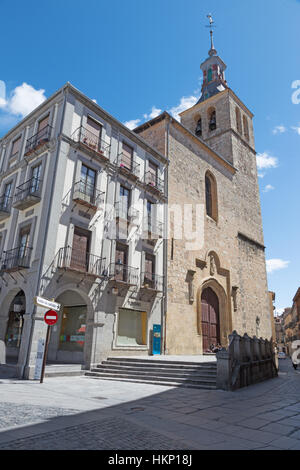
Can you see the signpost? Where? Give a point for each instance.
(50, 319)
(46, 303)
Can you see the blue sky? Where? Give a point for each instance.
(138, 57)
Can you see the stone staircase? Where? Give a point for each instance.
(159, 372)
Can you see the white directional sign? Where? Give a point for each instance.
(42, 302)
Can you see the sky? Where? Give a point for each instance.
(137, 58)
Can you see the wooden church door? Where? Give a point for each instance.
(210, 318)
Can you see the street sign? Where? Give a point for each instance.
(50, 317)
(42, 302)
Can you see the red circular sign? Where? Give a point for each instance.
(51, 317)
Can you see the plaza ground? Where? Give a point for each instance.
(87, 413)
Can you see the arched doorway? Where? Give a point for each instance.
(14, 329)
(210, 318)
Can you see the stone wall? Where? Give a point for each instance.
(246, 361)
(231, 260)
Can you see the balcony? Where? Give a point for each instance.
(16, 259)
(127, 166)
(5, 207)
(152, 230)
(91, 144)
(86, 195)
(154, 183)
(123, 274)
(38, 142)
(70, 259)
(152, 281)
(28, 194)
(128, 214)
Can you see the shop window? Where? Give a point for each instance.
(73, 327)
(132, 328)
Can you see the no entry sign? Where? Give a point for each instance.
(50, 317)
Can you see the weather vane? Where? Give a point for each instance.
(211, 26)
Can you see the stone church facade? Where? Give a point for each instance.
(220, 284)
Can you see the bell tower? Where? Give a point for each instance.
(219, 118)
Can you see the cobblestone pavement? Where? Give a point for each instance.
(108, 434)
(87, 413)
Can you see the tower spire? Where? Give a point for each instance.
(211, 27)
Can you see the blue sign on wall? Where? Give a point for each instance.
(156, 343)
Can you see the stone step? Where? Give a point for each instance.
(152, 363)
(160, 364)
(147, 377)
(63, 370)
(153, 382)
(157, 370)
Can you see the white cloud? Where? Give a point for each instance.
(154, 112)
(268, 188)
(266, 161)
(279, 311)
(3, 102)
(279, 129)
(296, 129)
(132, 124)
(25, 99)
(185, 103)
(276, 264)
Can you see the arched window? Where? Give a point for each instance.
(212, 119)
(209, 75)
(211, 196)
(246, 127)
(198, 130)
(238, 120)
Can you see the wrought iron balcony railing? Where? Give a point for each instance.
(69, 258)
(154, 182)
(128, 166)
(91, 142)
(152, 281)
(125, 212)
(5, 206)
(28, 193)
(152, 228)
(86, 194)
(38, 140)
(122, 273)
(16, 259)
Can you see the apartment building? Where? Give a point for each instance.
(82, 219)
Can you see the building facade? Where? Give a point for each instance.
(291, 324)
(216, 281)
(82, 221)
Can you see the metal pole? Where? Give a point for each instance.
(45, 354)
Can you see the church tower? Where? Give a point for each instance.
(219, 117)
(219, 283)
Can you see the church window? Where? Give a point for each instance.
(211, 196)
(238, 120)
(198, 131)
(246, 128)
(212, 121)
(209, 75)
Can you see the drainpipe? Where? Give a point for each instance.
(165, 262)
(26, 364)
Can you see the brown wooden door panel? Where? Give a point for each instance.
(79, 256)
(210, 318)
